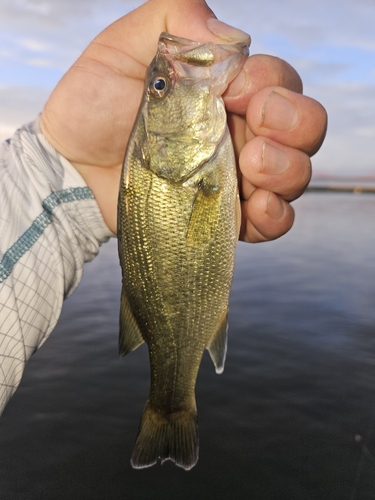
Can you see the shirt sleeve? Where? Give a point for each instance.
(50, 225)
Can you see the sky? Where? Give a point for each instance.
(331, 43)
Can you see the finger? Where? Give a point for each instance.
(193, 19)
(266, 216)
(137, 33)
(288, 118)
(106, 82)
(258, 72)
(274, 167)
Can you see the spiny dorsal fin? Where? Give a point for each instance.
(217, 346)
(130, 336)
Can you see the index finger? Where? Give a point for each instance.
(258, 72)
(254, 93)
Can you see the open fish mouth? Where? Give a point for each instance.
(223, 62)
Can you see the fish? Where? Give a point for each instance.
(178, 227)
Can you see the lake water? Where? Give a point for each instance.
(291, 418)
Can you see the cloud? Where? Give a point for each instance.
(19, 105)
(319, 68)
(52, 14)
(309, 21)
(33, 44)
(40, 62)
(366, 132)
(57, 31)
(349, 146)
(331, 43)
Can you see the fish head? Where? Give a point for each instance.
(183, 113)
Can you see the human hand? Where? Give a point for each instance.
(275, 130)
(90, 114)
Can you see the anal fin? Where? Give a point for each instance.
(217, 346)
(238, 214)
(130, 336)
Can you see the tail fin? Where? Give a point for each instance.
(168, 437)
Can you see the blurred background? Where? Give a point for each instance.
(331, 43)
(293, 415)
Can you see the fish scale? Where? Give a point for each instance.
(178, 229)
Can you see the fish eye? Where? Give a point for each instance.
(159, 86)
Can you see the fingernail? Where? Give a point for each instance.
(274, 161)
(279, 113)
(275, 209)
(227, 32)
(236, 87)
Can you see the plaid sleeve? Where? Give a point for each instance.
(50, 225)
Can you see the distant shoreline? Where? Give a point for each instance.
(357, 189)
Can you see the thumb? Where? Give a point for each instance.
(193, 19)
(138, 32)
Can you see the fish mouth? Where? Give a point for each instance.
(219, 63)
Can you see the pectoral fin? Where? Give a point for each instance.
(203, 219)
(217, 346)
(130, 336)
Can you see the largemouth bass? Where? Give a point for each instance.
(178, 224)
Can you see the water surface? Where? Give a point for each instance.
(291, 418)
